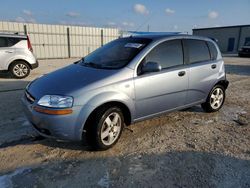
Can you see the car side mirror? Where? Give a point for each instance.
(151, 67)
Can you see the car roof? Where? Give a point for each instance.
(13, 35)
(166, 36)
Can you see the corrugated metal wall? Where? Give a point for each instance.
(61, 41)
(239, 34)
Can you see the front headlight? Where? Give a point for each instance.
(56, 101)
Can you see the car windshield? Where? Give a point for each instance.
(115, 54)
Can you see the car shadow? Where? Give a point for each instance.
(9, 84)
(77, 146)
(167, 169)
(11, 112)
(243, 70)
(5, 75)
(196, 108)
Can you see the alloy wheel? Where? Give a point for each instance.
(20, 70)
(216, 98)
(111, 128)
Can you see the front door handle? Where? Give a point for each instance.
(213, 66)
(182, 73)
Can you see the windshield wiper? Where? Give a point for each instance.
(91, 64)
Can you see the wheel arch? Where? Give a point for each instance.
(224, 83)
(124, 108)
(88, 123)
(19, 60)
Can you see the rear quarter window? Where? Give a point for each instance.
(12, 41)
(197, 50)
(213, 50)
(9, 41)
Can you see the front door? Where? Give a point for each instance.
(165, 90)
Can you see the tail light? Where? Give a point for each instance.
(29, 44)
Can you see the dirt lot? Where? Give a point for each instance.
(182, 149)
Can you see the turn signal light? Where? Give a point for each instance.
(53, 111)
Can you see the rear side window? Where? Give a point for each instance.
(167, 54)
(9, 41)
(12, 41)
(198, 50)
(213, 50)
(3, 42)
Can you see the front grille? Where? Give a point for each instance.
(29, 97)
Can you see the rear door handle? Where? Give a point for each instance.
(213, 66)
(182, 73)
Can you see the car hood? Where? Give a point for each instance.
(67, 80)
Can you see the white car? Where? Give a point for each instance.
(16, 55)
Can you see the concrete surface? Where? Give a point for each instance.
(182, 149)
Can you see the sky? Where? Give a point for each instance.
(130, 15)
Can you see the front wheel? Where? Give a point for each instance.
(107, 128)
(215, 99)
(19, 69)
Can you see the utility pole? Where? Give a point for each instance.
(148, 27)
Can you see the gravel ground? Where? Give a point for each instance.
(182, 149)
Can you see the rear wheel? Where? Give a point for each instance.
(19, 69)
(215, 99)
(106, 128)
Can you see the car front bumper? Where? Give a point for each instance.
(62, 127)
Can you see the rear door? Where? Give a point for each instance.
(165, 90)
(203, 69)
(6, 52)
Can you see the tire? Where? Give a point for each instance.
(19, 69)
(215, 99)
(106, 128)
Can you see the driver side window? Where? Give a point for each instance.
(167, 54)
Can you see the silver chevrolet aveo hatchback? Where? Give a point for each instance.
(126, 81)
